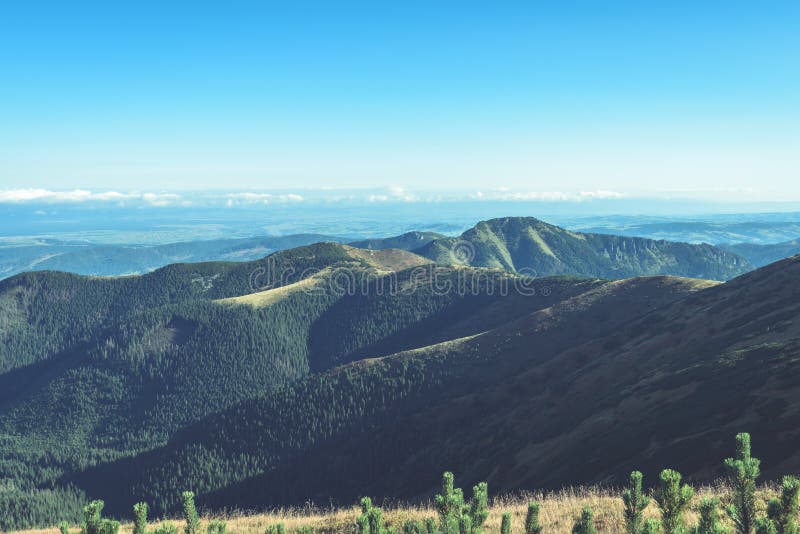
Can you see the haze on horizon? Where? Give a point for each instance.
(625, 98)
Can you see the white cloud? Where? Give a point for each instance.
(247, 198)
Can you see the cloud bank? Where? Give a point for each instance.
(234, 199)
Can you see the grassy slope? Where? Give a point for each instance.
(559, 510)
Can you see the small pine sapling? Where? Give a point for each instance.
(63, 527)
(413, 527)
(449, 505)
(673, 499)
(743, 470)
(217, 526)
(585, 523)
(140, 518)
(190, 514)
(505, 524)
(709, 518)
(430, 526)
(635, 503)
(278, 528)
(532, 525)
(783, 510)
(93, 522)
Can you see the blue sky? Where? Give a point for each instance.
(695, 99)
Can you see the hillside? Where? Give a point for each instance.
(528, 245)
(95, 369)
(327, 372)
(410, 241)
(119, 259)
(642, 373)
(761, 255)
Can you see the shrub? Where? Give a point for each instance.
(585, 523)
(743, 472)
(190, 514)
(765, 525)
(673, 500)
(651, 526)
(93, 522)
(430, 526)
(413, 527)
(166, 528)
(455, 514)
(532, 525)
(505, 525)
(140, 518)
(217, 527)
(276, 529)
(635, 503)
(370, 521)
(709, 518)
(783, 511)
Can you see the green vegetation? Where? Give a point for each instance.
(782, 511)
(635, 503)
(136, 388)
(709, 518)
(532, 525)
(743, 470)
(140, 518)
(525, 244)
(673, 500)
(457, 515)
(585, 523)
(94, 523)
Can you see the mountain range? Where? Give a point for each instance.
(328, 371)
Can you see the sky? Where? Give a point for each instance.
(536, 99)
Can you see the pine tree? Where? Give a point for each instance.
(673, 500)
(371, 519)
(505, 524)
(140, 518)
(743, 472)
(452, 508)
(709, 518)
(479, 507)
(783, 511)
(635, 503)
(93, 521)
(190, 514)
(585, 523)
(532, 525)
(449, 505)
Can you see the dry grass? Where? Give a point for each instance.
(558, 513)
